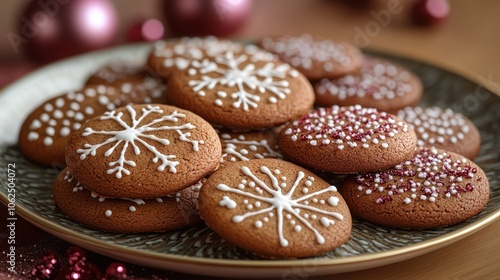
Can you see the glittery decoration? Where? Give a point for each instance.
(432, 174)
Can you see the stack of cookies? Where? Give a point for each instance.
(237, 141)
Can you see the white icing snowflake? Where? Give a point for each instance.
(248, 148)
(137, 132)
(249, 82)
(282, 205)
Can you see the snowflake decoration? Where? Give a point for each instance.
(281, 204)
(137, 132)
(249, 82)
(258, 149)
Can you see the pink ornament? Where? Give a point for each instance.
(206, 17)
(116, 271)
(147, 30)
(430, 11)
(54, 29)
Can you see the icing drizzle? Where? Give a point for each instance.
(240, 149)
(136, 131)
(278, 204)
(246, 80)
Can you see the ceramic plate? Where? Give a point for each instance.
(197, 249)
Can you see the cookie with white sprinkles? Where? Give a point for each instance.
(378, 84)
(142, 151)
(348, 140)
(275, 209)
(45, 131)
(133, 81)
(316, 58)
(242, 90)
(434, 189)
(444, 129)
(125, 215)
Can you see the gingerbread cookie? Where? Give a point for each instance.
(378, 84)
(178, 54)
(434, 189)
(275, 209)
(45, 131)
(245, 146)
(444, 129)
(143, 151)
(316, 58)
(134, 82)
(125, 215)
(242, 90)
(348, 140)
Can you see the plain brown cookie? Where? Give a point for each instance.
(274, 208)
(168, 56)
(143, 151)
(443, 129)
(316, 58)
(244, 146)
(125, 215)
(434, 189)
(348, 140)
(242, 90)
(45, 131)
(378, 84)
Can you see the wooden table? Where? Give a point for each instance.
(468, 42)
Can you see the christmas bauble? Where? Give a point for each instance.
(145, 30)
(54, 29)
(205, 17)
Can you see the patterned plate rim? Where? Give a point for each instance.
(268, 268)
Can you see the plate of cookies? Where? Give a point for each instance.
(293, 156)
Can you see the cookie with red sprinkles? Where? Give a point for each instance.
(315, 57)
(436, 188)
(379, 84)
(347, 140)
(444, 129)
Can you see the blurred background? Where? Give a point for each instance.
(459, 34)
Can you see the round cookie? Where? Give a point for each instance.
(274, 208)
(378, 84)
(348, 140)
(246, 146)
(435, 189)
(245, 90)
(171, 55)
(142, 151)
(125, 215)
(116, 72)
(444, 129)
(133, 81)
(45, 131)
(316, 58)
